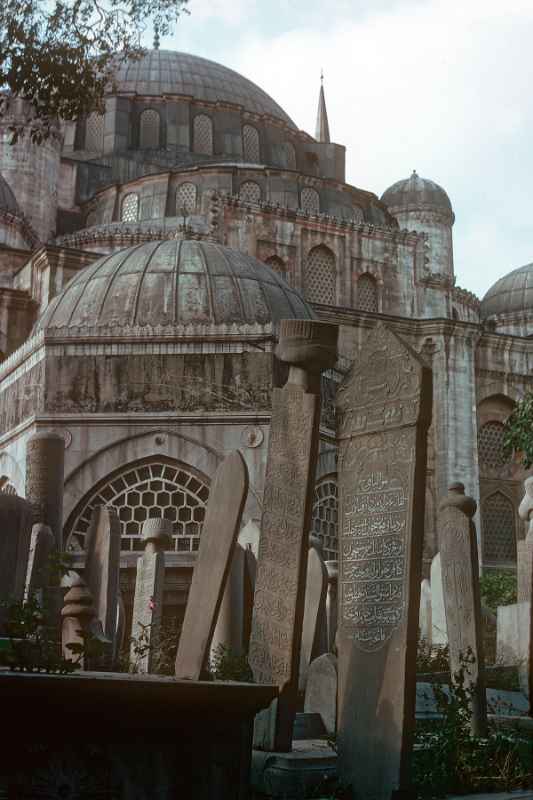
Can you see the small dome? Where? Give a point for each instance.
(165, 72)
(512, 293)
(8, 201)
(172, 284)
(416, 192)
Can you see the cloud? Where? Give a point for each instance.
(440, 86)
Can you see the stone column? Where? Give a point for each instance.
(45, 476)
(308, 347)
(384, 411)
(462, 603)
(148, 601)
(331, 602)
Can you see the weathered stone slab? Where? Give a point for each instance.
(217, 544)
(514, 645)
(229, 629)
(439, 633)
(314, 624)
(102, 566)
(148, 600)
(16, 517)
(321, 690)
(45, 467)
(424, 617)
(384, 410)
(276, 636)
(462, 603)
(42, 546)
(332, 602)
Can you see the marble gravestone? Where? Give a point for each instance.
(275, 641)
(321, 690)
(148, 599)
(384, 410)
(424, 618)
(16, 516)
(462, 602)
(42, 546)
(314, 628)
(79, 620)
(439, 633)
(217, 544)
(524, 560)
(102, 566)
(332, 602)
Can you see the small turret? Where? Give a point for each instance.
(322, 124)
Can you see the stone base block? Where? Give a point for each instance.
(310, 770)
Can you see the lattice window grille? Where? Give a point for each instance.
(310, 200)
(490, 445)
(498, 521)
(203, 135)
(367, 293)
(130, 208)
(149, 129)
(250, 192)
(320, 276)
(278, 265)
(94, 133)
(154, 489)
(250, 144)
(324, 518)
(185, 198)
(290, 155)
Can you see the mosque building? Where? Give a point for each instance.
(147, 256)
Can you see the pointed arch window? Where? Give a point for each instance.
(320, 276)
(203, 135)
(250, 144)
(310, 200)
(186, 194)
(149, 129)
(94, 132)
(491, 451)
(367, 293)
(498, 528)
(130, 208)
(278, 265)
(250, 192)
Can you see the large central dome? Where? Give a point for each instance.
(173, 284)
(164, 72)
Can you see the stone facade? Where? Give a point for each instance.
(148, 409)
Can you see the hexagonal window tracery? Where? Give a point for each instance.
(320, 276)
(490, 445)
(186, 194)
(130, 208)
(250, 192)
(250, 144)
(367, 293)
(148, 490)
(94, 132)
(498, 526)
(324, 520)
(310, 200)
(203, 135)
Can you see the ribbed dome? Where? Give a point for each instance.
(164, 72)
(8, 201)
(512, 293)
(172, 284)
(416, 192)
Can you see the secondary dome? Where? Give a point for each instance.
(416, 192)
(173, 284)
(8, 201)
(511, 294)
(165, 72)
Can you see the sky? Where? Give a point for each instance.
(440, 86)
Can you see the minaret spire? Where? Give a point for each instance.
(322, 124)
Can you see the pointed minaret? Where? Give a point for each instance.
(322, 124)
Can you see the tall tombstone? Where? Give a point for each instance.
(229, 629)
(45, 476)
(524, 560)
(424, 618)
(42, 546)
(314, 628)
(462, 602)
(16, 516)
(384, 410)
(80, 622)
(217, 544)
(274, 655)
(332, 602)
(439, 632)
(102, 566)
(149, 585)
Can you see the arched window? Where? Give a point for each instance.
(250, 144)
(498, 528)
(278, 265)
(202, 137)
(185, 198)
(490, 446)
(290, 155)
(310, 200)
(324, 518)
(153, 487)
(149, 129)
(320, 276)
(130, 208)
(94, 132)
(455, 313)
(6, 487)
(250, 192)
(367, 293)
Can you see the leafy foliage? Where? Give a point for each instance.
(163, 649)
(60, 55)
(432, 658)
(497, 588)
(227, 665)
(518, 432)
